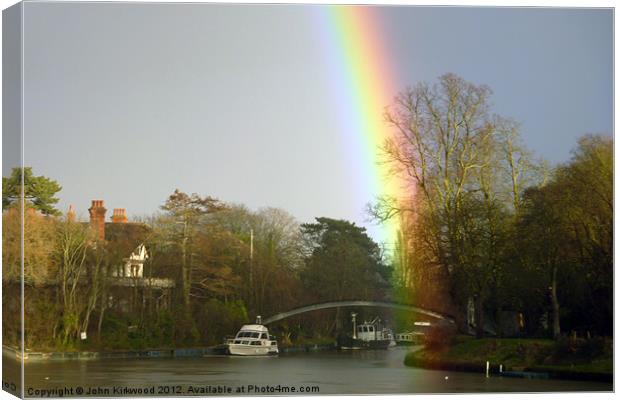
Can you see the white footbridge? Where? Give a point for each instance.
(358, 303)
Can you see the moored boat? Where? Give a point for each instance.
(365, 336)
(253, 340)
(415, 336)
(409, 338)
(389, 335)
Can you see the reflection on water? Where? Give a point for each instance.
(379, 371)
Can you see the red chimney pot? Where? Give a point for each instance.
(97, 218)
(119, 216)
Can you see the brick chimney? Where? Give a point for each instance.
(97, 218)
(119, 216)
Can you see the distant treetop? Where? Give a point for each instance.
(39, 191)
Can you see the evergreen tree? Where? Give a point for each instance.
(39, 191)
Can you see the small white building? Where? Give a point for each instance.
(134, 264)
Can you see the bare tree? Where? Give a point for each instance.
(72, 247)
(441, 132)
(467, 168)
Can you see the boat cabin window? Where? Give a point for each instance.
(263, 336)
(254, 335)
(371, 329)
(245, 342)
(255, 343)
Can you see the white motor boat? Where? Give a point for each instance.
(253, 340)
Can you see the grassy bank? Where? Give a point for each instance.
(566, 359)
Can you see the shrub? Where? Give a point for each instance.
(563, 347)
(591, 348)
(567, 348)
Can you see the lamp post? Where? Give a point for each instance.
(250, 272)
(353, 315)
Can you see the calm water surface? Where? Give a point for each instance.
(331, 372)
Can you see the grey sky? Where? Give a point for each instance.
(126, 102)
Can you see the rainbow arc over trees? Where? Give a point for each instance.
(364, 82)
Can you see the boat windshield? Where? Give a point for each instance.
(246, 334)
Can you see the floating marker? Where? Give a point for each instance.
(487, 369)
(500, 368)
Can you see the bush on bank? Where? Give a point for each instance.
(576, 355)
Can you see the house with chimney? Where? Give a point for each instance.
(125, 241)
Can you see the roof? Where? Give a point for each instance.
(126, 237)
(116, 231)
(254, 327)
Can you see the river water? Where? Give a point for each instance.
(357, 372)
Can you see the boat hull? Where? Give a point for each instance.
(248, 350)
(348, 343)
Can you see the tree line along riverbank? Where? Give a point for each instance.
(567, 358)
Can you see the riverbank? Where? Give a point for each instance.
(530, 358)
(90, 355)
(14, 353)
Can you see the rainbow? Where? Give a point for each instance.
(365, 83)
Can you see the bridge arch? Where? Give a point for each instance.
(356, 303)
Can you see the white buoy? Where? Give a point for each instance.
(446, 378)
(487, 369)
